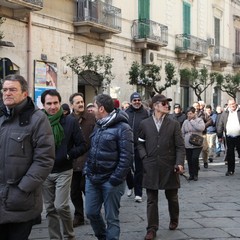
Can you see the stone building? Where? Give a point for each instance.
(187, 33)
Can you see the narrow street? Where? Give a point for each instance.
(209, 209)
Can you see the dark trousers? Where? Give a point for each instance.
(232, 143)
(77, 189)
(192, 156)
(138, 174)
(130, 180)
(15, 231)
(152, 207)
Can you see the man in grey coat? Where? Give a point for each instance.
(161, 147)
(27, 156)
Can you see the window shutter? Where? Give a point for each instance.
(186, 18)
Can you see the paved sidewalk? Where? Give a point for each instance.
(209, 209)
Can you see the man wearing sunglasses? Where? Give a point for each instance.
(136, 113)
(161, 148)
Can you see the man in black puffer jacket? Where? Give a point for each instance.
(109, 160)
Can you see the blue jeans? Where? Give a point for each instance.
(110, 196)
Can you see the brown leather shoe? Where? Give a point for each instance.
(151, 234)
(173, 224)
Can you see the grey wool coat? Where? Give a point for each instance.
(161, 151)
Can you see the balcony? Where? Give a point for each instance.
(149, 34)
(191, 48)
(97, 17)
(236, 60)
(221, 57)
(22, 7)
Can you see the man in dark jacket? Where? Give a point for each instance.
(161, 146)
(136, 113)
(27, 157)
(109, 160)
(70, 144)
(86, 121)
(177, 114)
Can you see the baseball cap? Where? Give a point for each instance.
(160, 98)
(90, 105)
(177, 105)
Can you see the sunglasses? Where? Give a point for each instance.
(163, 103)
(136, 100)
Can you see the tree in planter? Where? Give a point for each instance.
(148, 76)
(90, 66)
(199, 80)
(228, 83)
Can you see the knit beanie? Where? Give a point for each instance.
(135, 95)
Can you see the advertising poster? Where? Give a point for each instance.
(45, 77)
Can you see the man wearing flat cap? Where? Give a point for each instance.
(161, 148)
(177, 114)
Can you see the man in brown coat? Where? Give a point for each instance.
(161, 147)
(87, 122)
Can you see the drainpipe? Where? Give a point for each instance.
(29, 57)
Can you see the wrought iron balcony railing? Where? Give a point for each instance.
(221, 54)
(148, 29)
(192, 44)
(100, 13)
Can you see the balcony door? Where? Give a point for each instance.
(186, 24)
(217, 36)
(143, 16)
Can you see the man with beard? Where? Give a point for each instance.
(136, 113)
(86, 121)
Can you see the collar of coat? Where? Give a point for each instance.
(24, 110)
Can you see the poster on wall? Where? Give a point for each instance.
(45, 77)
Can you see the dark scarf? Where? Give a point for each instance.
(57, 128)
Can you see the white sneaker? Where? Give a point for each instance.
(129, 192)
(138, 199)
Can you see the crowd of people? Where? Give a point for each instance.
(75, 152)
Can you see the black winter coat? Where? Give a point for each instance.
(111, 152)
(135, 117)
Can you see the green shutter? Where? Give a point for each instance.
(186, 24)
(186, 18)
(217, 31)
(143, 17)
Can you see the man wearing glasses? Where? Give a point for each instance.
(161, 148)
(27, 157)
(136, 113)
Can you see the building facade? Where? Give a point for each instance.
(187, 33)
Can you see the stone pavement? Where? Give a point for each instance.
(209, 209)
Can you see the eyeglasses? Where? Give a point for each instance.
(4, 90)
(136, 100)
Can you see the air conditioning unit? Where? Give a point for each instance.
(211, 42)
(149, 57)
